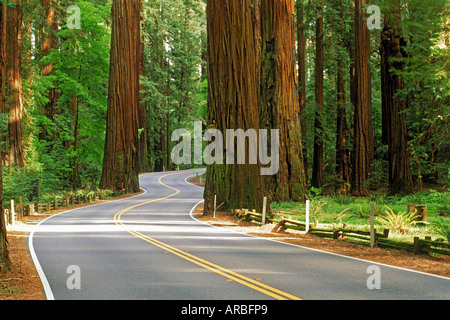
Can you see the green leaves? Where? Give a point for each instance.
(80, 68)
(398, 222)
(174, 91)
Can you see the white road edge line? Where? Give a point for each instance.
(47, 289)
(317, 250)
(49, 293)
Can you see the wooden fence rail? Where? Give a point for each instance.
(20, 211)
(419, 246)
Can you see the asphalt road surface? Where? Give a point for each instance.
(150, 247)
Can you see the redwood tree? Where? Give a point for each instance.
(121, 156)
(363, 148)
(13, 83)
(279, 105)
(4, 256)
(233, 100)
(395, 133)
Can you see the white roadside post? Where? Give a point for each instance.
(12, 213)
(215, 201)
(307, 217)
(264, 211)
(372, 224)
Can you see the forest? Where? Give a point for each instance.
(92, 91)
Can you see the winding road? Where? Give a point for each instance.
(151, 247)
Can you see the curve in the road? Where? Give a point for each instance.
(110, 242)
(253, 284)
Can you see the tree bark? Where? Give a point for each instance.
(232, 100)
(121, 157)
(279, 105)
(342, 151)
(14, 96)
(317, 173)
(4, 255)
(395, 133)
(363, 148)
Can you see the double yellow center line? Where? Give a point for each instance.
(253, 284)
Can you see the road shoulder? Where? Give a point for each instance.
(22, 282)
(423, 263)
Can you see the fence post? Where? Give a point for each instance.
(12, 213)
(215, 201)
(307, 217)
(372, 224)
(264, 211)
(416, 245)
(6, 216)
(31, 209)
(20, 213)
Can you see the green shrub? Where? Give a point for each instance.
(442, 227)
(398, 222)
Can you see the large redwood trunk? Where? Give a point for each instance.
(4, 255)
(13, 83)
(395, 132)
(232, 100)
(279, 105)
(121, 157)
(363, 150)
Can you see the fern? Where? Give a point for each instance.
(398, 222)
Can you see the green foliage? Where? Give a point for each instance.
(175, 90)
(175, 93)
(71, 152)
(427, 87)
(442, 227)
(443, 209)
(398, 222)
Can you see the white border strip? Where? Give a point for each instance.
(47, 289)
(49, 293)
(312, 249)
(37, 265)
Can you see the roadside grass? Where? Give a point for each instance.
(355, 212)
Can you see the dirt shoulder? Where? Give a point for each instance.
(22, 282)
(434, 265)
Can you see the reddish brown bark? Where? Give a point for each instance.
(279, 98)
(121, 158)
(4, 254)
(233, 100)
(395, 133)
(363, 150)
(14, 94)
